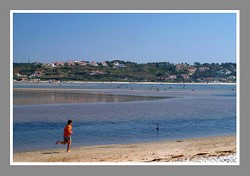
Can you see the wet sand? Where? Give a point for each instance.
(152, 152)
(31, 96)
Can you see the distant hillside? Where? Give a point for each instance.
(118, 70)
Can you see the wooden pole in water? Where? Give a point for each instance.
(157, 128)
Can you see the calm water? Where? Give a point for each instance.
(115, 113)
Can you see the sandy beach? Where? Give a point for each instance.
(152, 152)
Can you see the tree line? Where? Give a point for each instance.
(131, 71)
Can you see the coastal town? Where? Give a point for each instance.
(125, 71)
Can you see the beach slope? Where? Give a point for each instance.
(166, 151)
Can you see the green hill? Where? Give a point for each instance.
(118, 70)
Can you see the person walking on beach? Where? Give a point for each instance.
(67, 135)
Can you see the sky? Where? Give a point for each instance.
(135, 37)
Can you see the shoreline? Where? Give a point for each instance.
(119, 82)
(186, 150)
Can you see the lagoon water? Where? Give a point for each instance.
(105, 113)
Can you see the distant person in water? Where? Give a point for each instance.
(67, 135)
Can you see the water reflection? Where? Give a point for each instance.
(38, 97)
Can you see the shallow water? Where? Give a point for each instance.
(196, 111)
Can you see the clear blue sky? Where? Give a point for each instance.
(141, 38)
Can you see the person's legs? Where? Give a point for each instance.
(67, 140)
(68, 146)
(61, 142)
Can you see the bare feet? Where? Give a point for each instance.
(68, 151)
